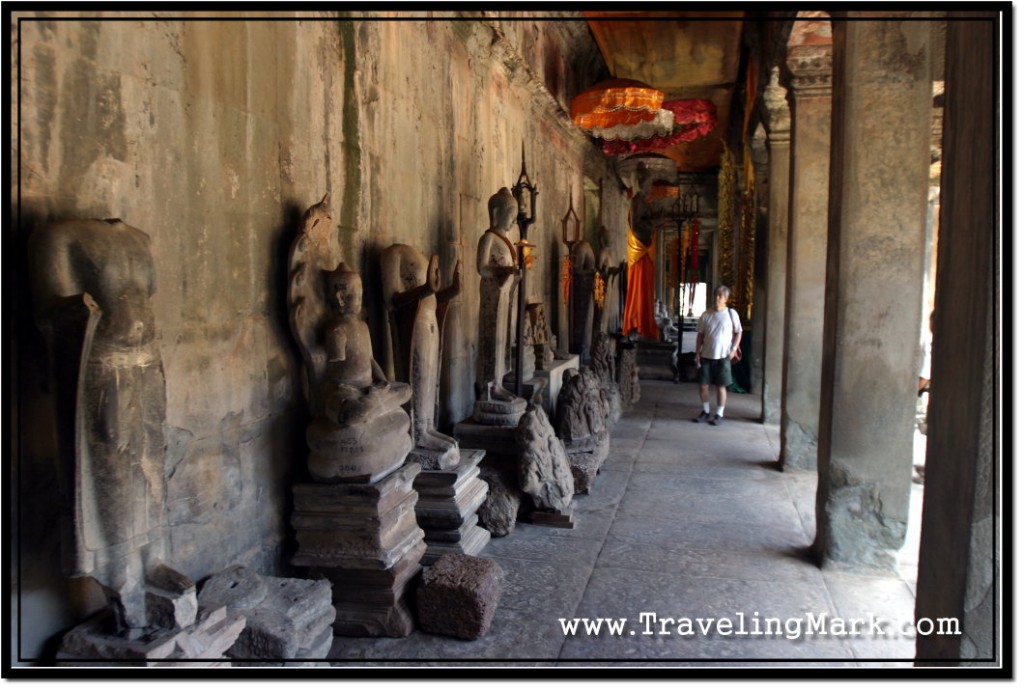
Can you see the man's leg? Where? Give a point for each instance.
(722, 394)
(705, 402)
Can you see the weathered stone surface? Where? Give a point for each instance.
(580, 412)
(170, 599)
(497, 514)
(544, 472)
(629, 377)
(586, 456)
(459, 595)
(288, 622)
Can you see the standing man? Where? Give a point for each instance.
(718, 341)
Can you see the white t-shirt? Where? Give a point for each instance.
(718, 328)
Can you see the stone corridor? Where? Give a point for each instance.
(686, 521)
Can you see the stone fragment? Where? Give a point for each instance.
(498, 512)
(544, 472)
(459, 596)
(207, 640)
(170, 599)
(286, 618)
(629, 377)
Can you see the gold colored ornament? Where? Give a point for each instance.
(598, 290)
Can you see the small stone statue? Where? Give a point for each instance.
(497, 264)
(541, 334)
(607, 319)
(92, 282)
(412, 291)
(583, 267)
(359, 431)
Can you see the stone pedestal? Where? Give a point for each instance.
(365, 540)
(498, 443)
(447, 506)
(286, 619)
(207, 639)
(553, 375)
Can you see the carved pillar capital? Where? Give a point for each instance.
(776, 108)
(810, 69)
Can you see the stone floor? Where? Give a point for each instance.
(685, 521)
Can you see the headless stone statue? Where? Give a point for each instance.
(497, 264)
(92, 283)
(607, 317)
(583, 267)
(359, 431)
(412, 291)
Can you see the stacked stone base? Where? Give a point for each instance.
(203, 643)
(365, 540)
(586, 456)
(447, 505)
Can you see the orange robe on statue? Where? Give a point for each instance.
(639, 311)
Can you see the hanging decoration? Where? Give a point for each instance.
(619, 108)
(692, 119)
(659, 167)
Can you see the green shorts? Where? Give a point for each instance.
(717, 372)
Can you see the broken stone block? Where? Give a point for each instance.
(498, 512)
(207, 639)
(170, 599)
(459, 596)
(286, 618)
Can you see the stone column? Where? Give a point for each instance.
(759, 157)
(810, 69)
(958, 558)
(776, 109)
(878, 204)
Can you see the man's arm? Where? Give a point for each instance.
(737, 334)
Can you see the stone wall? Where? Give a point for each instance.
(213, 136)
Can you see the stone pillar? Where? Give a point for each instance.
(776, 109)
(878, 206)
(810, 69)
(958, 558)
(759, 157)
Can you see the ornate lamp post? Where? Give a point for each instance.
(685, 210)
(569, 241)
(525, 193)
